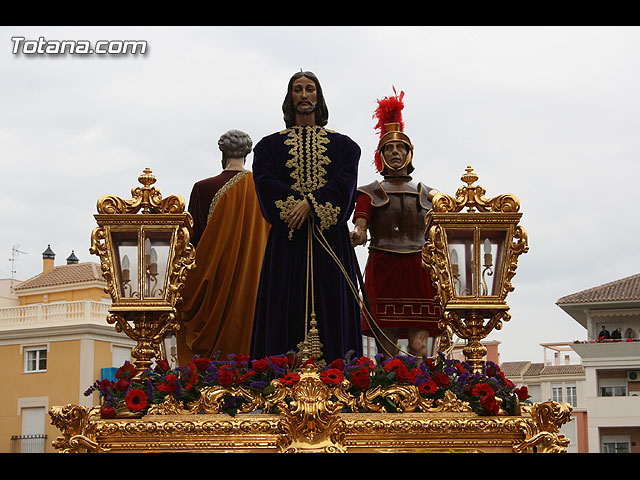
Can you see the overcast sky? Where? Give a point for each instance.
(550, 114)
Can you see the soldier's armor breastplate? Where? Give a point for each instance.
(400, 206)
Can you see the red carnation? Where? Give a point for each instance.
(402, 374)
(360, 378)
(489, 404)
(136, 400)
(482, 390)
(201, 363)
(249, 373)
(338, 363)
(441, 379)
(392, 364)
(260, 366)
(105, 385)
(122, 385)
(431, 364)
(126, 371)
(366, 362)
(279, 362)
(333, 376)
(226, 376)
(290, 379)
(168, 384)
(241, 359)
(162, 366)
(428, 387)
(522, 393)
(107, 412)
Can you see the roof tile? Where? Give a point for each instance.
(63, 275)
(619, 290)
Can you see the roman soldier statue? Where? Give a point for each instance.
(393, 210)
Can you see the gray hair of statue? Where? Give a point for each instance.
(234, 144)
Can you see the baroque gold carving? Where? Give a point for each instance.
(148, 332)
(543, 434)
(311, 419)
(145, 198)
(473, 197)
(310, 416)
(79, 432)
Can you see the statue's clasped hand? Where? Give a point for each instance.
(298, 214)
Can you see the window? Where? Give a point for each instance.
(32, 439)
(612, 387)
(613, 391)
(615, 444)
(119, 355)
(35, 359)
(556, 392)
(572, 395)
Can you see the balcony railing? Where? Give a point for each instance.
(43, 314)
(28, 443)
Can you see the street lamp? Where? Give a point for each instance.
(472, 256)
(145, 253)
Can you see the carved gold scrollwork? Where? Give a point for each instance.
(148, 333)
(311, 420)
(100, 247)
(435, 259)
(518, 246)
(543, 434)
(145, 198)
(79, 433)
(474, 198)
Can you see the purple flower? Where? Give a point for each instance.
(259, 385)
(450, 370)
(149, 388)
(462, 379)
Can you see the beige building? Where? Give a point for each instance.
(54, 343)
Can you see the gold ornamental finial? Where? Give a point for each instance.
(470, 177)
(146, 178)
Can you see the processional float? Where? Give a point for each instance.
(287, 403)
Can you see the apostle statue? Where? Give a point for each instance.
(306, 178)
(230, 234)
(393, 209)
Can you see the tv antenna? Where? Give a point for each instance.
(14, 257)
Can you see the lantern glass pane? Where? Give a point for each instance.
(157, 247)
(460, 243)
(125, 249)
(492, 243)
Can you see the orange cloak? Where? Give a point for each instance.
(216, 313)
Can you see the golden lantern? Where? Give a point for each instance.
(472, 256)
(145, 253)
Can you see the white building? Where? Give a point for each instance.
(612, 366)
(558, 379)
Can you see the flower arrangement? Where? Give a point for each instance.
(488, 392)
(606, 340)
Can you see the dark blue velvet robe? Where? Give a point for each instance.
(321, 165)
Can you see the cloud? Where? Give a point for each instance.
(550, 114)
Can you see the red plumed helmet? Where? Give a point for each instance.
(390, 125)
